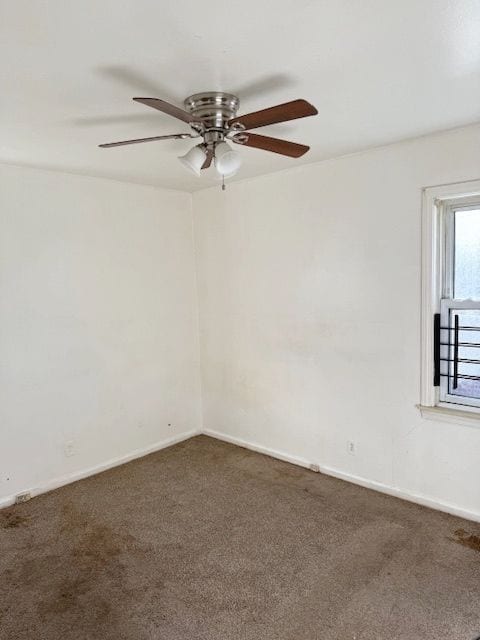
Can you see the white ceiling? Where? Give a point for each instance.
(377, 70)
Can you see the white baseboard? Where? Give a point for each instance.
(423, 500)
(55, 483)
(273, 453)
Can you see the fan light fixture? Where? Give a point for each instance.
(194, 159)
(227, 161)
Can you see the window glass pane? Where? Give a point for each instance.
(468, 356)
(467, 254)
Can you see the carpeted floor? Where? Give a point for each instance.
(207, 541)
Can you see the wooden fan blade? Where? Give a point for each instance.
(174, 136)
(208, 159)
(168, 108)
(280, 113)
(284, 147)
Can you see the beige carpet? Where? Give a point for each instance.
(207, 541)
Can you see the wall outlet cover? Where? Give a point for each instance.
(23, 497)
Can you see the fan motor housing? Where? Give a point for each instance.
(215, 108)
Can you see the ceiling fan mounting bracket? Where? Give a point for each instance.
(237, 126)
(214, 108)
(239, 138)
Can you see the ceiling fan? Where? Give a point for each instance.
(212, 116)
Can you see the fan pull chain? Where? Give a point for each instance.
(223, 182)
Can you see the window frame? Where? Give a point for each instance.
(437, 281)
(468, 203)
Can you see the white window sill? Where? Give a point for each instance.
(445, 414)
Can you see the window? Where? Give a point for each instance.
(451, 298)
(459, 335)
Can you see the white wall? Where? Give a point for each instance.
(309, 290)
(98, 324)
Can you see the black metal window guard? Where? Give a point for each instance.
(452, 344)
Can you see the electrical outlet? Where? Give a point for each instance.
(351, 447)
(69, 448)
(23, 497)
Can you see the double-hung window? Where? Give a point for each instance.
(451, 298)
